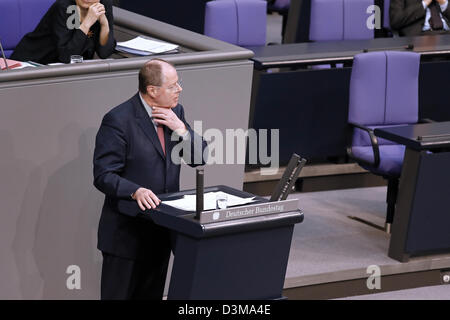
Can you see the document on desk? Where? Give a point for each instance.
(26, 65)
(188, 202)
(143, 46)
(11, 64)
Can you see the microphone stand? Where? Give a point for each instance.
(199, 192)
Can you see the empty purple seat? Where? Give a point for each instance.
(18, 18)
(327, 20)
(240, 22)
(384, 91)
(221, 21)
(334, 20)
(339, 20)
(355, 20)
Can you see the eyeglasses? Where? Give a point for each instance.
(173, 88)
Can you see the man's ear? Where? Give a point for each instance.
(152, 91)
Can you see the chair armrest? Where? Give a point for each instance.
(373, 141)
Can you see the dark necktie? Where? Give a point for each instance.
(160, 132)
(435, 20)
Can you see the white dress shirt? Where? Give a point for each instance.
(149, 111)
(426, 25)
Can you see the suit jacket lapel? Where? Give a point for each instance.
(146, 124)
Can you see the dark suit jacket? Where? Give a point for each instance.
(408, 16)
(127, 156)
(52, 41)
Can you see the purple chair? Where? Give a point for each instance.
(335, 20)
(18, 17)
(240, 22)
(339, 20)
(327, 20)
(383, 92)
(355, 20)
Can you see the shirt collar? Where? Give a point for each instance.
(146, 106)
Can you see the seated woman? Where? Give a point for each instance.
(70, 27)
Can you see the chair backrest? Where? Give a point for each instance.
(281, 4)
(355, 20)
(18, 18)
(327, 20)
(384, 90)
(339, 20)
(240, 22)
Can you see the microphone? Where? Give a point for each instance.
(3, 55)
(287, 181)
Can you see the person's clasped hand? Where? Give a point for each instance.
(146, 199)
(95, 12)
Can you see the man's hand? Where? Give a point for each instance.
(146, 199)
(166, 117)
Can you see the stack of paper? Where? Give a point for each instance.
(143, 47)
(188, 202)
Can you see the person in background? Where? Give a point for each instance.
(419, 17)
(70, 27)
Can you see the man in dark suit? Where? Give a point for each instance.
(415, 17)
(133, 162)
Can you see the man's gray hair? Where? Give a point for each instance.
(151, 74)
